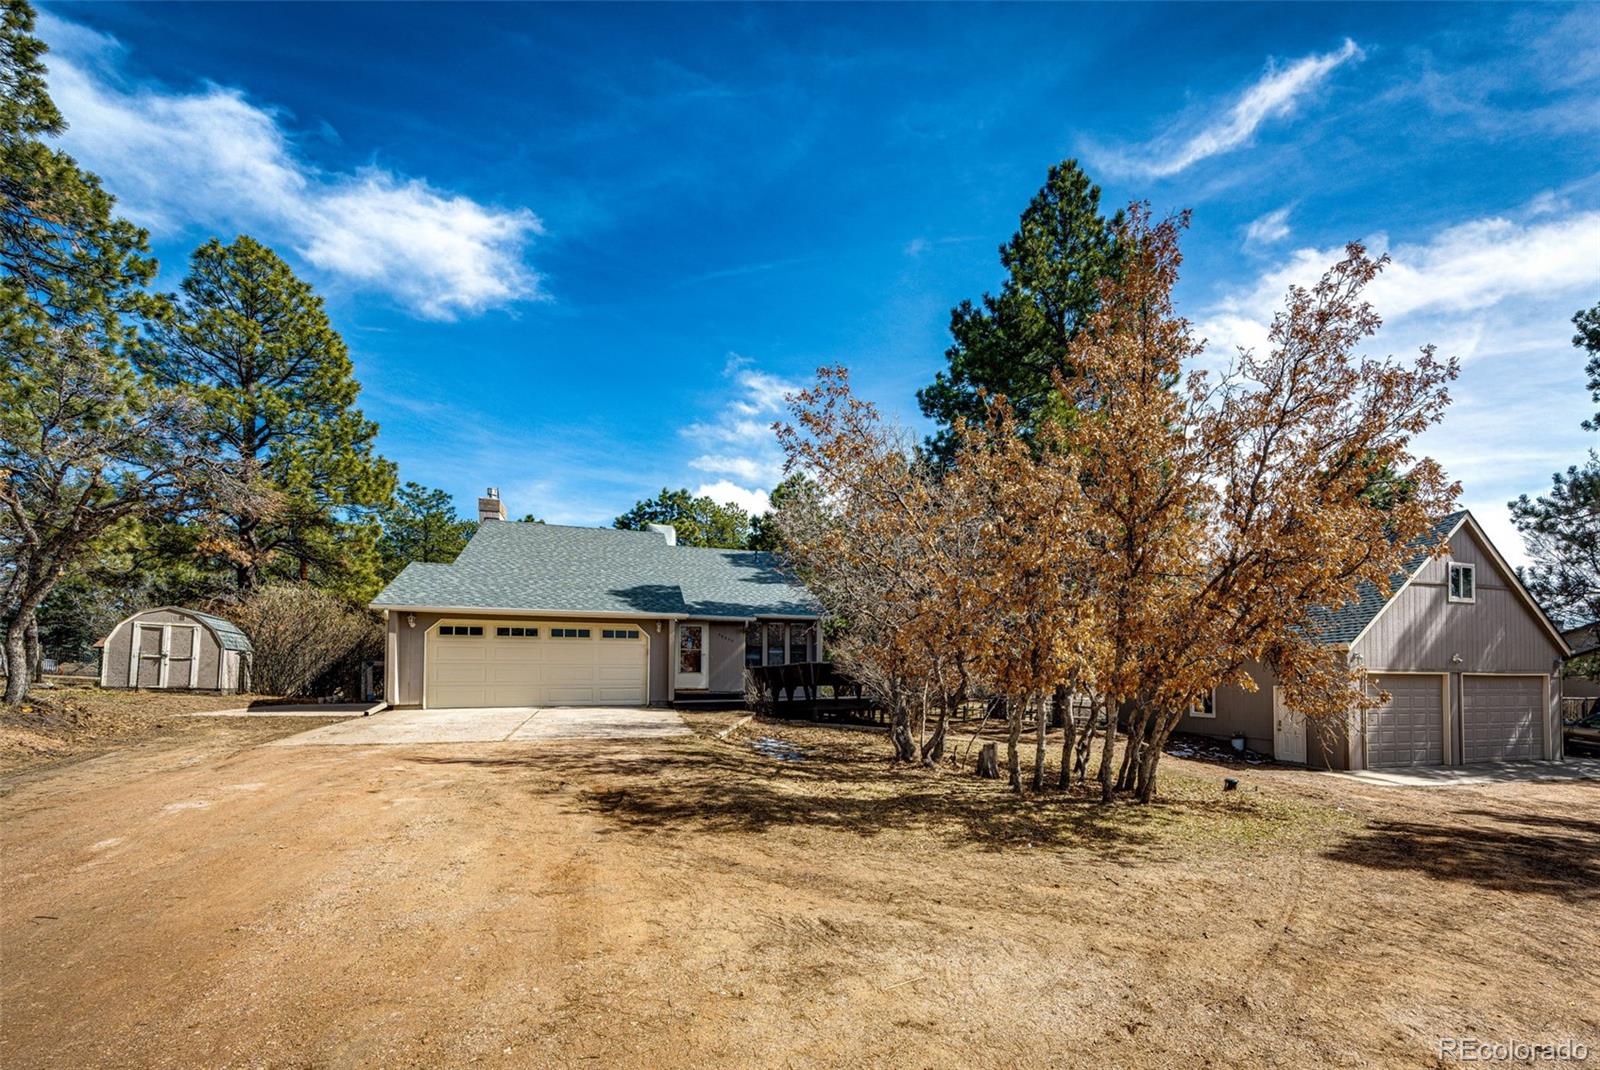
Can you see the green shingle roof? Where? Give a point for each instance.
(1345, 624)
(549, 567)
(228, 633)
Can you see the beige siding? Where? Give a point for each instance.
(404, 651)
(1250, 713)
(1241, 711)
(1423, 631)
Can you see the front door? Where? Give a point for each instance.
(1288, 731)
(693, 657)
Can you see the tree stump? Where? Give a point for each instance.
(989, 761)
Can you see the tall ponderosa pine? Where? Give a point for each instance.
(1015, 343)
(1561, 529)
(420, 525)
(86, 443)
(293, 470)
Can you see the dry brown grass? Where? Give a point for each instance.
(200, 901)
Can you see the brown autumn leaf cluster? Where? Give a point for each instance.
(1177, 525)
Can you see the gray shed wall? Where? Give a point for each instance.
(119, 645)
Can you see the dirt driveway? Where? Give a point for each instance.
(209, 901)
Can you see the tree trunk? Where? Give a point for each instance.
(905, 748)
(1062, 702)
(16, 664)
(1109, 747)
(989, 761)
(35, 653)
(1133, 747)
(933, 749)
(1041, 724)
(1013, 744)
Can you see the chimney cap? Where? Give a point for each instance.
(492, 492)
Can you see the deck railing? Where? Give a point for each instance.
(809, 690)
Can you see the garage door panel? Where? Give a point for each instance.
(1502, 718)
(491, 670)
(1408, 730)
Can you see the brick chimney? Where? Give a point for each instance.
(490, 507)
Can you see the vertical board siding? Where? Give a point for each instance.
(1421, 630)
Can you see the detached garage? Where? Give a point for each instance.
(1466, 663)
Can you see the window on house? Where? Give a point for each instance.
(775, 644)
(752, 645)
(619, 633)
(1463, 583)
(799, 644)
(460, 629)
(1206, 706)
(569, 633)
(517, 632)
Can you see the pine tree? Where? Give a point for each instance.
(1015, 343)
(294, 472)
(697, 521)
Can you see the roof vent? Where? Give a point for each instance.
(666, 531)
(490, 507)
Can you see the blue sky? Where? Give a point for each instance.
(580, 252)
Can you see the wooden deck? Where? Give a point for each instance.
(811, 691)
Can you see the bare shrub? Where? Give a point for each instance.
(305, 640)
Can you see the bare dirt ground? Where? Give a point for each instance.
(198, 900)
(72, 720)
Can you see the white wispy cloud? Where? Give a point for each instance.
(738, 441)
(1268, 229)
(1498, 293)
(212, 157)
(1275, 95)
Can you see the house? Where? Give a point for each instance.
(174, 648)
(546, 615)
(1469, 660)
(1585, 643)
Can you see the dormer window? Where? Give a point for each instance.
(1463, 583)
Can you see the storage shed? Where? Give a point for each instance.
(177, 649)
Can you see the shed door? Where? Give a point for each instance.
(149, 648)
(1501, 718)
(1409, 728)
(183, 646)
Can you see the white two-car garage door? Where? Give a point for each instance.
(1502, 718)
(534, 663)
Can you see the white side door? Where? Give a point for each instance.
(1288, 731)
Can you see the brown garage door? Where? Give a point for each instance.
(1500, 718)
(1409, 728)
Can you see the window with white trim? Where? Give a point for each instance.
(517, 632)
(461, 629)
(777, 639)
(752, 645)
(1206, 707)
(1463, 582)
